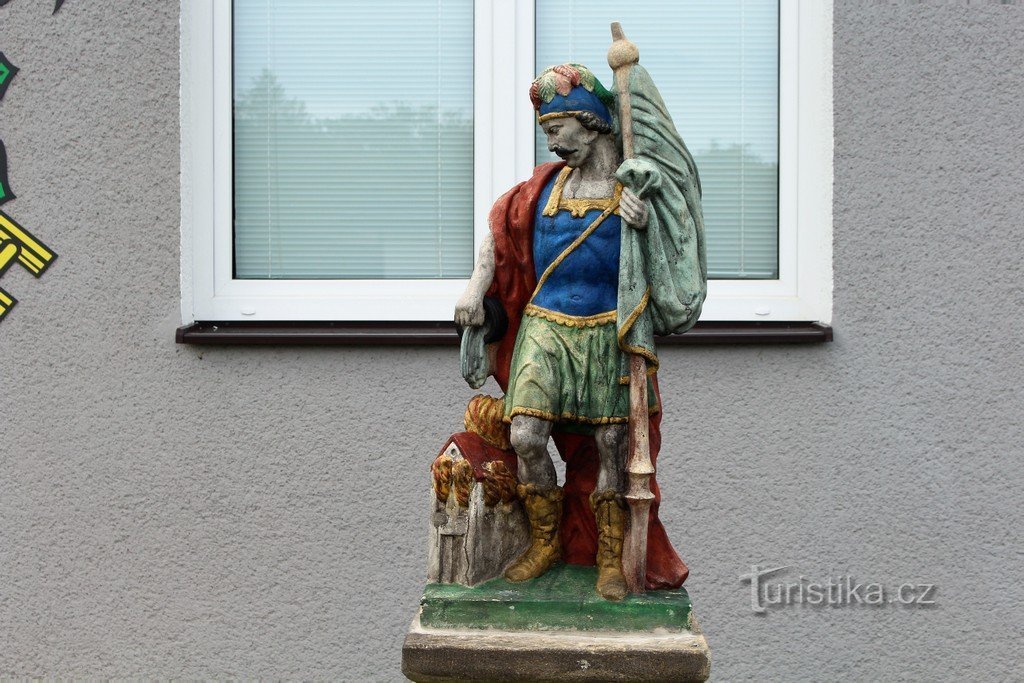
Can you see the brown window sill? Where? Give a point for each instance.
(444, 334)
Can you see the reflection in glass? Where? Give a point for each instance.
(353, 138)
(716, 64)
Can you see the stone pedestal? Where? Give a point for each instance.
(555, 628)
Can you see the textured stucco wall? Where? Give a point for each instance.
(211, 512)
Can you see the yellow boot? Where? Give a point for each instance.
(544, 511)
(610, 512)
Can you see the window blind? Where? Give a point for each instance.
(716, 65)
(353, 139)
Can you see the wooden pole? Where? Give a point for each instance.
(622, 55)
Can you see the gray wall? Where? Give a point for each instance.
(180, 511)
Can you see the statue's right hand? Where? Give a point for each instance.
(469, 311)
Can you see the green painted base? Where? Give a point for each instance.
(562, 599)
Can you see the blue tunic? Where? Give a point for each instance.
(586, 281)
(567, 364)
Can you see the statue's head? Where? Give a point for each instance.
(572, 110)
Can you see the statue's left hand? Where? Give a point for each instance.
(633, 209)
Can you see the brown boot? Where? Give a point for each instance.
(610, 512)
(544, 510)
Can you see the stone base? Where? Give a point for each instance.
(553, 628)
(436, 655)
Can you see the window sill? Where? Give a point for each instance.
(444, 334)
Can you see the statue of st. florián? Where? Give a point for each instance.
(585, 262)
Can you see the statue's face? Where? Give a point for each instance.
(569, 139)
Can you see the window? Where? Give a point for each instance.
(353, 163)
(339, 160)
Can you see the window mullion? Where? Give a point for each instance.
(504, 120)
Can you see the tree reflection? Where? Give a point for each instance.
(383, 193)
(388, 193)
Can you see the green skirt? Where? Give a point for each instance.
(567, 369)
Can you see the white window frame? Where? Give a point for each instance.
(803, 291)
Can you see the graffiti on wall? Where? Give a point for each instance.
(6, 193)
(56, 5)
(17, 245)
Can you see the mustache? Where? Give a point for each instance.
(562, 152)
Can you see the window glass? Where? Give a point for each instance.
(716, 65)
(353, 139)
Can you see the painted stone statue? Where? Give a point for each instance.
(586, 261)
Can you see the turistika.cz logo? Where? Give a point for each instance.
(838, 591)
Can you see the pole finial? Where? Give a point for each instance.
(622, 52)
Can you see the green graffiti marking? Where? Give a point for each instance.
(7, 73)
(6, 194)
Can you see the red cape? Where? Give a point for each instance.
(511, 221)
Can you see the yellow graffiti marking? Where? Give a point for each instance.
(6, 303)
(19, 245)
(8, 250)
(34, 255)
